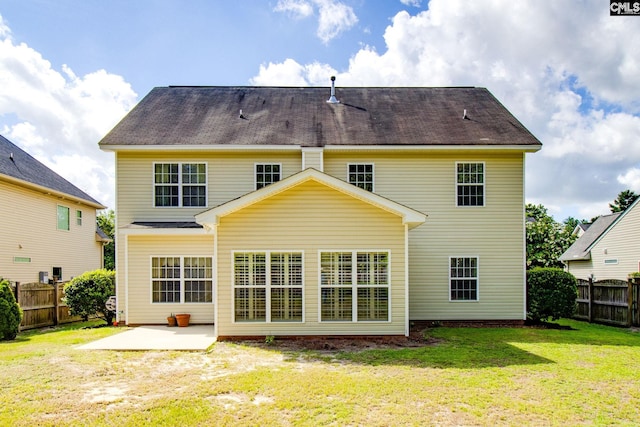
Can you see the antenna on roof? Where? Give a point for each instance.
(332, 99)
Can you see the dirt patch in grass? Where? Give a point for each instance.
(338, 344)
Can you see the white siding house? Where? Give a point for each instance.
(609, 248)
(303, 217)
(49, 225)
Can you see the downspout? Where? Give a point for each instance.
(406, 280)
(524, 237)
(215, 283)
(126, 279)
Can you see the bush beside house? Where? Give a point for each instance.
(551, 293)
(87, 294)
(10, 312)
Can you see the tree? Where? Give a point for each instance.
(546, 239)
(106, 222)
(571, 223)
(87, 294)
(623, 201)
(551, 292)
(10, 312)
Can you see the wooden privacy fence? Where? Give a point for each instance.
(609, 301)
(42, 305)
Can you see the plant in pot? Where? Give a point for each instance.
(183, 319)
(171, 320)
(634, 277)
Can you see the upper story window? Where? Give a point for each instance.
(78, 217)
(361, 175)
(180, 184)
(470, 184)
(463, 279)
(63, 218)
(267, 173)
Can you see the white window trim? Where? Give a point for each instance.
(255, 172)
(484, 185)
(268, 286)
(182, 280)
(464, 301)
(610, 261)
(373, 173)
(180, 184)
(354, 287)
(78, 217)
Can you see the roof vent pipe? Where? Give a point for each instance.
(332, 99)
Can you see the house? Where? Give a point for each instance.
(309, 211)
(49, 225)
(580, 229)
(608, 249)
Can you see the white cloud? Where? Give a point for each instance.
(5, 32)
(334, 17)
(60, 117)
(569, 74)
(631, 179)
(414, 3)
(296, 8)
(290, 73)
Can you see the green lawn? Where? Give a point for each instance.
(585, 376)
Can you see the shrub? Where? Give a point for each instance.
(551, 292)
(86, 295)
(10, 312)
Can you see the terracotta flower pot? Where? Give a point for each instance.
(171, 321)
(183, 319)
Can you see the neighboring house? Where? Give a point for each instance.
(608, 249)
(275, 211)
(49, 225)
(580, 229)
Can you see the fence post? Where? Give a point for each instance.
(629, 302)
(56, 304)
(591, 305)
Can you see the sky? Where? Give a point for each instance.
(570, 72)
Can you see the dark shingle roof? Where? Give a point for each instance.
(201, 116)
(25, 168)
(580, 248)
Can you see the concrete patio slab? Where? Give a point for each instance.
(193, 337)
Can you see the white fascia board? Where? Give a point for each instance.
(525, 148)
(208, 147)
(51, 192)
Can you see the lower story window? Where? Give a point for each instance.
(463, 278)
(181, 279)
(354, 286)
(268, 286)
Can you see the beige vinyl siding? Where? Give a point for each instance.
(620, 243)
(494, 233)
(228, 176)
(30, 231)
(312, 158)
(141, 249)
(310, 218)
